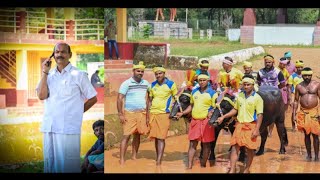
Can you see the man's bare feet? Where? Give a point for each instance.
(231, 171)
(308, 158)
(246, 171)
(134, 157)
(121, 162)
(212, 163)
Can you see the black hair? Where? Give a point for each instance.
(158, 65)
(269, 56)
(98, 123)
(97, 71)
(205, 61)
(248, 76)
(306, 69)
(228, 58)
(111, 20)
(283, 59)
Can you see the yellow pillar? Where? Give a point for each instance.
(69, 13)
(50, 14)
(121, 24)
(22, 78)
(70, 23)
(73, 59)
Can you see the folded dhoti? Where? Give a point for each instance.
(242, 135)
(308, 120)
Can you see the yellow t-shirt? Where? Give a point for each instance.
(285, 73)
(162, 96)
(231, 79)
(202, 102)
(248, 108)
(294, 80)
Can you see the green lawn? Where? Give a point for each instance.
(29, 167)
(198, 47)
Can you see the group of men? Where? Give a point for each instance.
(144, 108)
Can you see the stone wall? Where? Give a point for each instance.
(182, 62)
(151, 55)
(215, 62)
(176, 29)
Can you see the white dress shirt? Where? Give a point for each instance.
(68, 90)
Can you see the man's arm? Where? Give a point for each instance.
(148, 105)
(186, 111)
(256, 131)
(258, 79)
(89, 103)
(98, 151)
(281, 80)
(318, 87)
(120, 108)
(43, 91)
(295, 103)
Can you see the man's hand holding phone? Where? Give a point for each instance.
(46, 65)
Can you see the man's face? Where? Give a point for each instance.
(159, 75)
(110, 22)
(99, 132)
(282, 66)
(62, 54)
(203, 82)
(268, 63)
(138, 73)
(204, 68)
(307, 78)
(225, 66)
(247, 70)
(248, 87)
(299, 69)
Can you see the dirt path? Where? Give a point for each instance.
(175, 156)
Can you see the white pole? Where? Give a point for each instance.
(186, 15)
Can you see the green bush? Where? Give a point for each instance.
(147, 30)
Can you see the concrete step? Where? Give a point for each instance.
(107, 61)
(118, 66)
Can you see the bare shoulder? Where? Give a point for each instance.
(316, 83)
(299, 85)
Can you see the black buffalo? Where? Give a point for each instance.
(273, 112)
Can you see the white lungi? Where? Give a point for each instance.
(61, 153)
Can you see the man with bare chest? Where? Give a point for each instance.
(307, 119)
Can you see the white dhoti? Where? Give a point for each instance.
(61, 153)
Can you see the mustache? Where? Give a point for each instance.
(59, 57)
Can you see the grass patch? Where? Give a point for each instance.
(198, 47)
(28, 167)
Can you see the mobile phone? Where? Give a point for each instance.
(49, 62)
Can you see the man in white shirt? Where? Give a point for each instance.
(67, 94)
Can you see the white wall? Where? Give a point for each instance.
(284, 34)
(215, 62)
(92, 67)
(233, 34)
